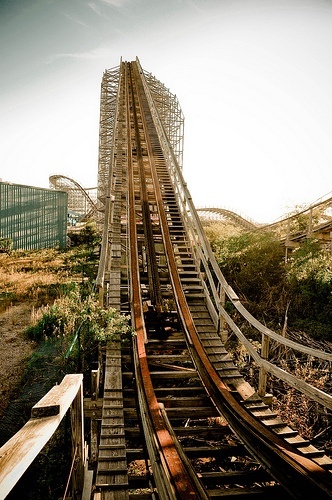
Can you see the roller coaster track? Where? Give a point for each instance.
(173, 403)
(313, 221)
(212, 214)
(79, 199)
(160, 268)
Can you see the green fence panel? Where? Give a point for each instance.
(32, 217)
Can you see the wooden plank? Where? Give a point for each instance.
(94, 439)
(78, 449)
(87, 488)
(192, 412)
(19, 452)
(95, 377)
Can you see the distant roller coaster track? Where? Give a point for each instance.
(310, 221)
(207, 214)
(79, 200)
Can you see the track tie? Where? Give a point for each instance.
(263, 414)
(206, 338)
(188, 411)
(112, 436)
(252, 399)
(174, 374)
(112, 446)
(115, 458)
(286, 432)
(297, 441)
(324, 462)
(113, 407)
(228, 375)
(112, 486)
(202, 431)
(272, 492)
(227, 365)
(311, 451)
(112, 426)
(253, 405)
(220, 451)
(273, 422)
(235, 477)
(212, 351)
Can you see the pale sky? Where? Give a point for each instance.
(253, 78)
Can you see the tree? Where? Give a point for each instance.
(253, 264)
(309, 276)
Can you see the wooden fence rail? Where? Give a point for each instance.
(18, 452)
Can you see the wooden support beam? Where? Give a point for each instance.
(95, 377)
(78, 448)
(262, 372)
(222, 325)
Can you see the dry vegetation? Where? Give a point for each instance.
(28, 280)
(27, 276)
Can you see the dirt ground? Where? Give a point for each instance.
(15, 350)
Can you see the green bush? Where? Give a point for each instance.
(88, 236)
(78, 315)
(253, 264)
(309, 278)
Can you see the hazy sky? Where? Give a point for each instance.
(253, 77)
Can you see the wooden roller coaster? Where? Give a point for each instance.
(173, 404)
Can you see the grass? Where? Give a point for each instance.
(38, 276)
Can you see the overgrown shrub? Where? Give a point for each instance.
(88, 235)
(78, 315)
(253, 264)
(309, 276)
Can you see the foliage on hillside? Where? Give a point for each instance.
(78, 323)
(254, 265)
(30, 282)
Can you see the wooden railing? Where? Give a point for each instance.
(17, 454)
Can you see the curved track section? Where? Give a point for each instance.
(312, 221)
(79, 200)
(211, 214)
(180, 389)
